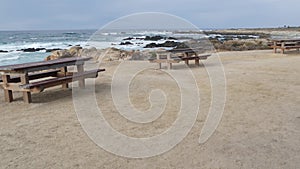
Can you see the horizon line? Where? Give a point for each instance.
(80, 29)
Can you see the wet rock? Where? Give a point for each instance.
(129, 38)
(151, 45)
(51, 50)
(3, 51)
(154, 38)
(32, 49)
(126, 43)
(166, 44)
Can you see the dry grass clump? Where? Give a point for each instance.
(241, 45)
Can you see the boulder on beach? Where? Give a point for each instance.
(59, 54)
(75, 50)
(108, 54)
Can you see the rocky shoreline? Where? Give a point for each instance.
(205, 45)
(221, 40)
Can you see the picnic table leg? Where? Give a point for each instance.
(197, 62)
(185, 54)
(158, 57)
(7, 93)
(26, 95)
(282, 47)
(170, 66)
(187, 62)
(64, 70)
(169, 59)
(159, 65)
(81, 82)
(274, 47)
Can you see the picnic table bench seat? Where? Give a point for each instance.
(41, 85)
(201, 57)
(36, 75)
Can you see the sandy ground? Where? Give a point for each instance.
(260, 126)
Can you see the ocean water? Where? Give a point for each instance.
(12, 42)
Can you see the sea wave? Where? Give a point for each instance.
(9, 57)
(70, 33)
(48, 45)
(20, 57)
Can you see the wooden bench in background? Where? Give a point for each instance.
(181, 55)
(285, 44)
(196, 58)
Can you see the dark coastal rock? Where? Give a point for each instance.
(168, 44)
(172, 38)
(3, 51)
(129, 38)
(32, 49)
(151, 45)
(126, 43)
(154, 38)
(51, 50)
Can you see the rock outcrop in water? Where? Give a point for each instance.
(167, 44)
(32, 49)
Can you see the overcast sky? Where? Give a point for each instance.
(93, 14)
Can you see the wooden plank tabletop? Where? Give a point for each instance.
(42, 65)
(187, 50)
(285, 40)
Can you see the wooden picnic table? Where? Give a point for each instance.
(17, 77)
(285, 44)
(185, 55)
(190, 54)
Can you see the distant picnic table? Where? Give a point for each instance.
(181, 55)
(45, 74)
(285, 44)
